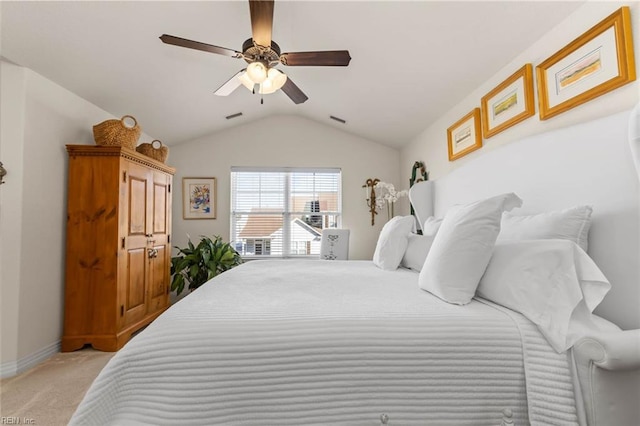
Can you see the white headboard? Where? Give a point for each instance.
(590, 163)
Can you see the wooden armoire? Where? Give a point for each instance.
(118, 252)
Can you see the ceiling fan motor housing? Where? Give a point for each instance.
(252, 52)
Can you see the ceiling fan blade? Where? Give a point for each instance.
(232, 84)
(294, 92)
(183, 42)
(261, 21)
(340, 58)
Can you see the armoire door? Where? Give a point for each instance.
(133, 298)
(159, 262)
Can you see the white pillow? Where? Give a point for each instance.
(553, 283)
(462, 248)
(431, 226)
(417, 250)
(569, 224)
(392, 242)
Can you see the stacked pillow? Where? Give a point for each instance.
(462, 248)
(392, 242)
(536, 265)
(419, 245)
(443, 240)
(417, 249)
(552, 282)
(453, 253)
(569, 224)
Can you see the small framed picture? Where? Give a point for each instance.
(595, 63)
(509, 103)
(465, 135)
(198, 198)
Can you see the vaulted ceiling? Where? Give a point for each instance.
(411, 61)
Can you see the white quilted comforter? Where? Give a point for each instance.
(330, 343)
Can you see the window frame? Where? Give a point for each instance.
(287, 212)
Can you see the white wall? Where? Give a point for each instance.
(431, 145)
(38, 119)
(285, 141)
(12, 85)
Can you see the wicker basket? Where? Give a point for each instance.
(159, 153)
(116, 132)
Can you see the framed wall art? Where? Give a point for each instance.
(595, 63)
(509, 103)
(465, 135)
(199, 198)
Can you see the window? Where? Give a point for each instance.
(282, 212)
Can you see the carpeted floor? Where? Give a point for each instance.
(49, 393)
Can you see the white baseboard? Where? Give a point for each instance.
(12, 368)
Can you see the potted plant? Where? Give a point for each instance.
(195, 265)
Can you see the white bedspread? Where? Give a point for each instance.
(330, 343)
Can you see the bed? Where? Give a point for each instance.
(314, 342)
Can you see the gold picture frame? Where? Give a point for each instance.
(595, 63)
(509, 103)
(199, 198)
(465, 135)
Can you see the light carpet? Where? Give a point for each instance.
(49, 393)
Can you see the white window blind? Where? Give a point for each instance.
(281, 212)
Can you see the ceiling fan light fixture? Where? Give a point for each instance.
(257, 72)
(275, 80)
(246, 81)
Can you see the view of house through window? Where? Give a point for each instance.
(281, 212)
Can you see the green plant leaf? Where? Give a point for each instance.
(177, 283)
(212, 265)
(193, 271)
(227, 256)
(206, 255)
(196, 265)
(182, 264)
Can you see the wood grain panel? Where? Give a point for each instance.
(160, 196)
(158, 278)
(137, 259)
(88, 263)
(137, 204)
